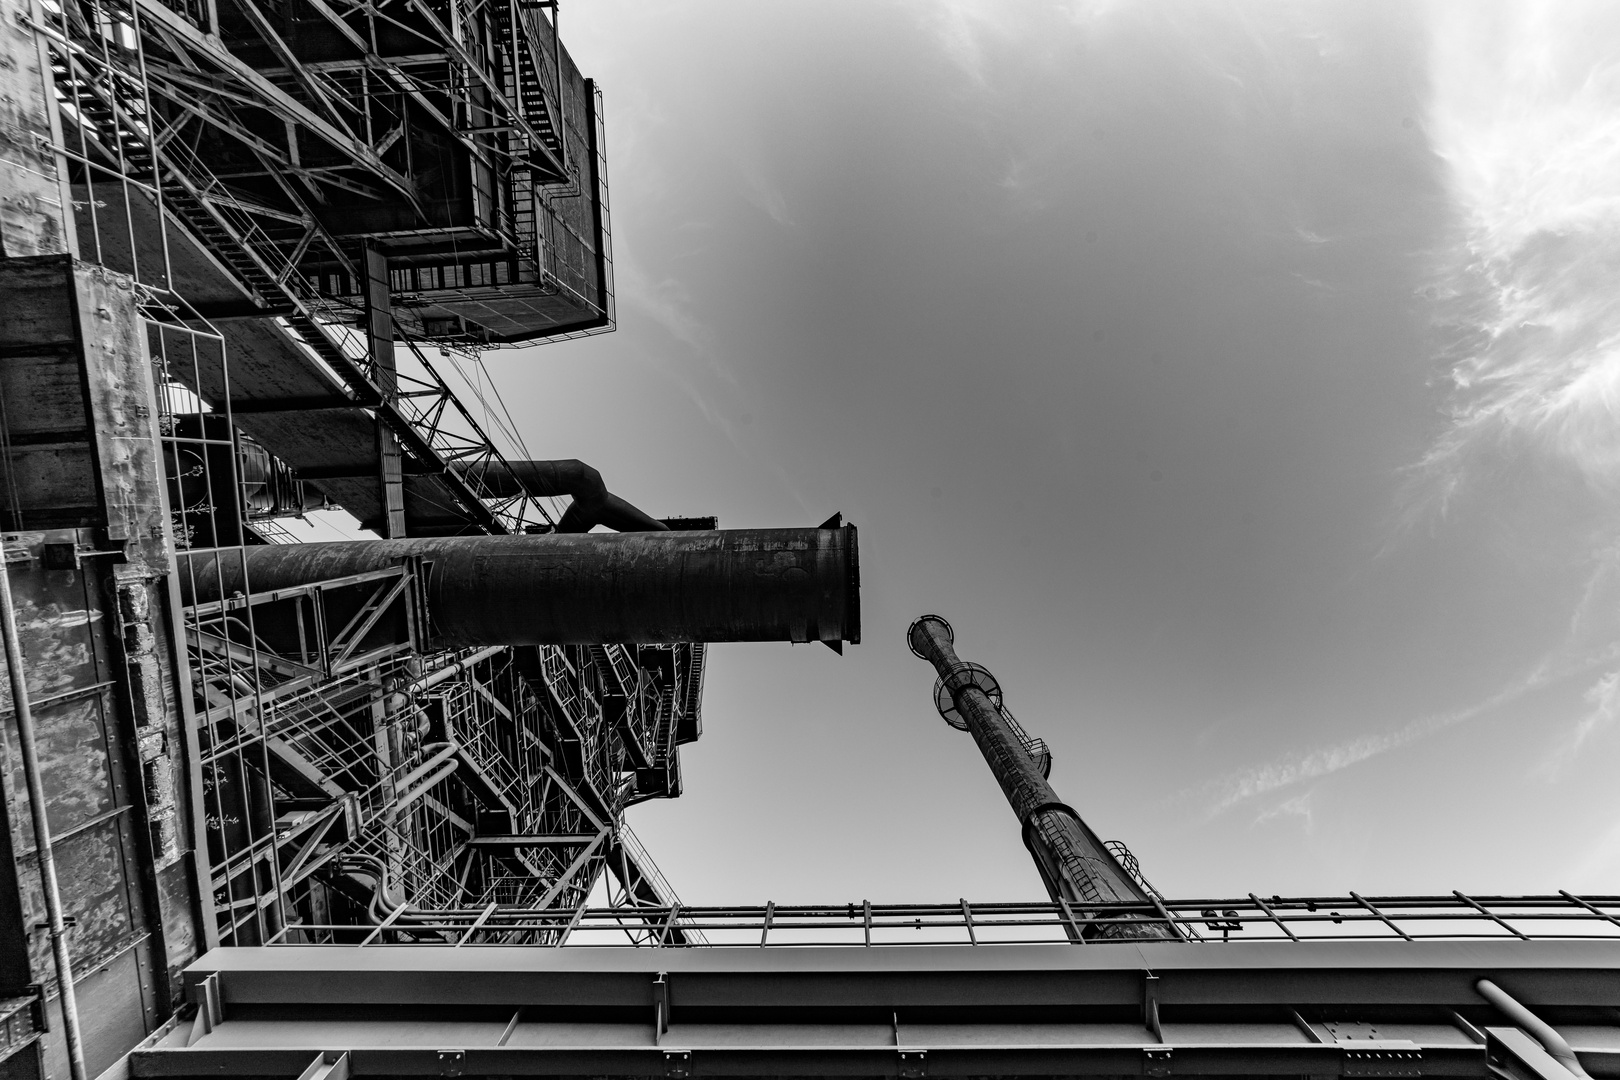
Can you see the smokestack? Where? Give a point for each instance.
(588, 588)
(1074, 864)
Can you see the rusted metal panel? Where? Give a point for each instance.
(58, 618)
(78, 407)
(39, 308)
(49, 477)
(33, 218)
(96, 891)
(118, 384)
(114, 1013)
(75, 619)
(74, 761)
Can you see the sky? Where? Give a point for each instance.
(1239, 377)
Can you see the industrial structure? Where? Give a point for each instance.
(332, 810)
(245, 247)
(1076, 867)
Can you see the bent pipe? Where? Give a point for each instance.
(631, 588)
(1534, 1026)
(593, 503)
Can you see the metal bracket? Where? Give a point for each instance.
(677, 1064)
(451, 1061)
(36, 1008)
(660, 1006)
(328, 1065)
(1517, 1046)
(210, 1005)
(913, 1064)
(1150, 1005)
(210, 1009)
(1156, 1061)
(1383, 1063)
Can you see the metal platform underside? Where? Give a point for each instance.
(1391, 1009)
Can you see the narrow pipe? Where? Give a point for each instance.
(1074, 864)
(441, 752)
(593, 503)
(1534, 1025)
(421, 789)
(449, 671)
(29, 751)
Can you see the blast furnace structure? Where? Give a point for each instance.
(246, 249)
(323, 811)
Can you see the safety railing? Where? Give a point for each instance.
(1561, 916)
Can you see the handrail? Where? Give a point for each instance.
(1402, 921)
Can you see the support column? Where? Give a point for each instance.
(380, 342)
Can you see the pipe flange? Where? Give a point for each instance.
(958, 678)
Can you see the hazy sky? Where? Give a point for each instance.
(1239, 378)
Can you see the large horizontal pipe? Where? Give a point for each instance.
(721, 585)
(593, 503)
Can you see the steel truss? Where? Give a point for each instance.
(153, 100)
(351, 782)
(180, 137)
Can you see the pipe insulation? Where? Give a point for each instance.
(588, 588)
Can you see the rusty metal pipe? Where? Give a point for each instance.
(653, 587)
(1073, 863)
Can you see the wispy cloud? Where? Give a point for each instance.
(961, 26)
(764, 193)
(1603, 708)
(1300, 806)
(1297, 768)
(967, 31)
(1525, 115)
